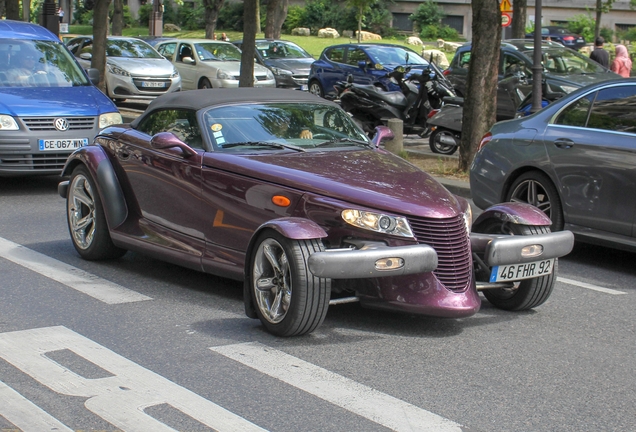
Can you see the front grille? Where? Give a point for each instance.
(41, 161)
(47, 123)
(450, 240)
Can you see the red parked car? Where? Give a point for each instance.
(280, 189)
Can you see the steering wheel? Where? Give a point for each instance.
(321, 136)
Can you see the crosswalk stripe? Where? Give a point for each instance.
(87, 283)
(357, 398)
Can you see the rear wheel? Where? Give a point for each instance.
(288, 299)
(205, 84)
(525, 294)
(437, 146)
(535, 188)
(86, 220)
(316, 88)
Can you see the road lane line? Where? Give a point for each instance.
(589, 286)
(364, 401)
(24, 414)
(87, 283)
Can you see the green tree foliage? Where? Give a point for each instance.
(231, 16)
(428, 13)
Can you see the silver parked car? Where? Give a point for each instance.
(134, 69)
(205, 63)
(575, 159)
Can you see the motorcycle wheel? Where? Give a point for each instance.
(438, 147)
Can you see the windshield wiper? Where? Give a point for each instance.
(341, 140)
(264, 144)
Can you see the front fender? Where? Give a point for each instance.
(108, 187)
(516, 213)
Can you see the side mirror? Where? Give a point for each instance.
(166, 140)
(86, 56)
(189, 60)
(382, 134)
(93, 75)
(350, 79)
(362, 64)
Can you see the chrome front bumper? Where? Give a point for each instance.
(498, 249)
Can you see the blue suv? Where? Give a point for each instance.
(368, 64)
(48, 104)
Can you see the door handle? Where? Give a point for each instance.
(564, 143)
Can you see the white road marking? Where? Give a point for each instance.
(94, 286)
(364, 401)
(589, 286)
(24, 414)
(120, 398)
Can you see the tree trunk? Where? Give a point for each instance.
(479, 112)
(270, 18)
(3, 6)
(599, 12)
(26, 10)
(212, 8)
(279, 18)
(118, 17)
(100, 33)
(249, 44)
(519, 17)
(258, 17)
(360, 16)
(13, 9)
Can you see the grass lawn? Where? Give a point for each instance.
(312, 44)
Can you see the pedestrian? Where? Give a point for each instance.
(224, 37)
(622, 64)
(60, 13)
(599, 55)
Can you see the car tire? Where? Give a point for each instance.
(316, 88)
(439, 148)
(205, 84)
(86, 220)
(527, 293)
(536, 188)
(288, 299)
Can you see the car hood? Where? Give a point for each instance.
(581, 79)
(143, 66)
(375, 179)
(54, 101)
(296, 65)
(232, 67)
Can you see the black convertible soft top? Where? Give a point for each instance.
(202, 98)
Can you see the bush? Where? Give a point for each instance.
(144, 14)
(583, 25)
(295, 18)
(629, 35)
(191, 16)
(427, 14)
(433, 32)
(231, 16)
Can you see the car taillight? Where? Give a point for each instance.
(446, 72)
(485, 140)
(568, 38)
(432, 113)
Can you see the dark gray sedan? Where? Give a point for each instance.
(574, 159)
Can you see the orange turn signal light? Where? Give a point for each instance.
(281, 201)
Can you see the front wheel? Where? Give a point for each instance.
(436, 144)
(316, 88)
(86, 220)
(205, 84)
(536, 188)
(525, 294)
(289, 300)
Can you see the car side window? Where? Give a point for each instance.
(167, 50)
(464, 60)
(355, 56)
(614, 109)
(185, 50)
(336, 55)
(513, 65)
(181, 122)
(576, 114)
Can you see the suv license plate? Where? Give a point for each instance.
(515, 272)
(152, 84)
(62, 144)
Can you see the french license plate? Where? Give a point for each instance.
(62, 144)
(304, 87)
(152, 84)
(515, 272)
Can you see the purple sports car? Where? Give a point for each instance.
(280, 189)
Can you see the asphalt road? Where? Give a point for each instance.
(135, 344)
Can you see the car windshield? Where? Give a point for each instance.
(217, 52)
(131, 48)
(28, 63)
(279, 49)
(566, 61)
(394, 55)
(300, 126)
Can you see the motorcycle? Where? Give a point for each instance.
(446, 123)
(372, 106)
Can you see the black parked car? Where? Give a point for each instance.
(288, 62)
(564, 70)
(562, 36)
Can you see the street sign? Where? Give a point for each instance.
(506, 19)
(505, 6)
